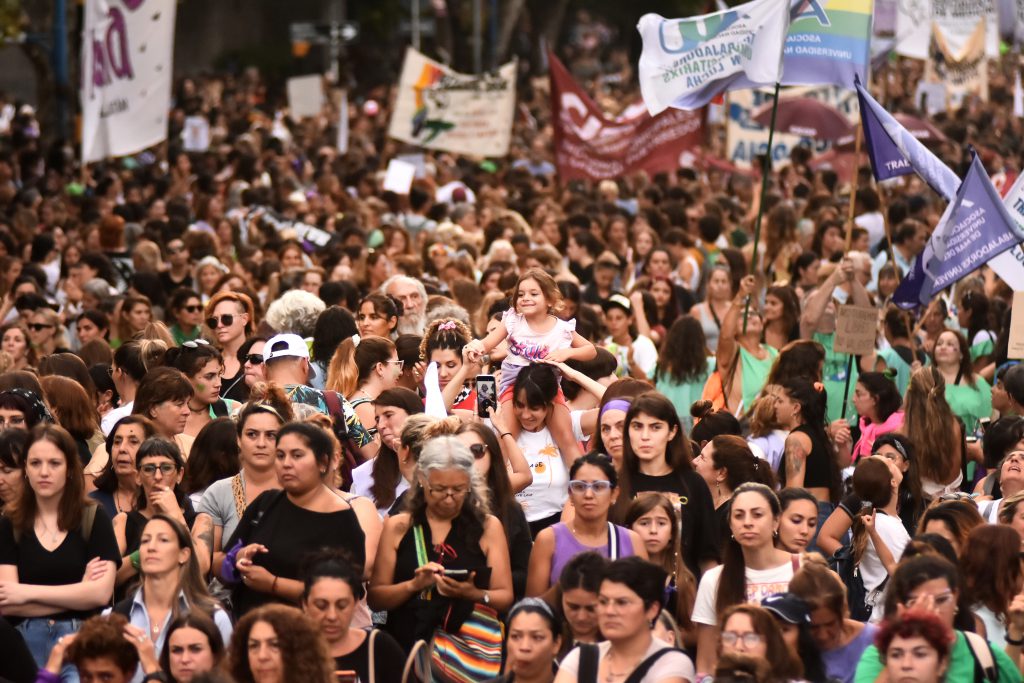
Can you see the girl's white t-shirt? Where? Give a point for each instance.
(760, 584)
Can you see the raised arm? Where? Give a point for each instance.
(732, 325)
(520, 475)
(814, 306)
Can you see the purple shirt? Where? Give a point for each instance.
(567, 547)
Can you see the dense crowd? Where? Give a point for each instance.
(264, 421)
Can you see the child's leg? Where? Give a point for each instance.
(511, 420)
(560, 426)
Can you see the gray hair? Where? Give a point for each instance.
(406, 280)
(446, 310)
(296, 312)
(99, 288)
(449, 453)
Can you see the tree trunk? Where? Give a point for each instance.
(509, 22)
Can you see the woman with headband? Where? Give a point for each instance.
(534, 638)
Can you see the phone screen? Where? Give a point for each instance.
(486, 394)
(346, 677)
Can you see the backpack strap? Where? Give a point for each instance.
(373, 663)
(984, 661)
(590, 660)
(643, 667)
(220, 408)
(613, 542)
(88, 519)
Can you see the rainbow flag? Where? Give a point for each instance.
(828, 42)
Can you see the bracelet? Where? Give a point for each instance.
(1016, 642)
(273, 587)
(155, 676)
(504, 434)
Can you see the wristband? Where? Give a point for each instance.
(1016, 642)
(155, 676)
(273, 587)
(135, 559)
(504, 434)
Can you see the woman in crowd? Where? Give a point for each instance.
(534, 639)
(974, 319)
(609, 422)
(656, 312)
(798, 520)
(577, 603)
(225, 501)
(725, 463)
(278, 644)
(279, 527)
(751, 630)
(636, 353)
(250, 358)
(46, 332)
(655, 520)
(117, 486)
(915, 646)
(656, 457)
(383, 479)
(214, 457)
(92, 325)
(377, 316)
(630, 600)
(75, 411)
(752, 567)
(203, 365)
(767, 438)
(953, 519)
(899, 449)
(332, 589)
(360, 373)
(930, 584)
(58, 553)
(131, 364)
(136, 313)
(902, 352)
(969, 396)
(683, 366)
(163, 397)
(1012, 514)
(841, 639)
(160, 468)
(230, 318)
(992, 577)
(186, 315)
(171, 585)
(592, 492)
(193, 647)
(14, 341)
(743, 361)
(781, 316)
(711, 312)
(448, 503)
(877, 403)
(491, 464)
(13, 443)
(443, 343)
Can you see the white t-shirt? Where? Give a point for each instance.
(771, 447)
(872, 571)
(645, 355)
(671, 665)
(111, 418)
(760, 584)
(362, 482)
(549, 490)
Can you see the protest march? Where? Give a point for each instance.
(512, 342)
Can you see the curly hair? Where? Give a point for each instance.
(455, 335)
(303, 652)
(296, 311)
(912, 624)
(103, 637)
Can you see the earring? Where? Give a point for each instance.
(718, 490)
(651, 622)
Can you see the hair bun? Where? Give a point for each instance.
(701, 409)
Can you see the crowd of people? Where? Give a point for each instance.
(500, 428)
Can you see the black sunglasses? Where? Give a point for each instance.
(192, 309)
(479, 450)
(225, 320)
(253, 359)
(38, 327)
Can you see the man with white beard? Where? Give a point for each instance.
(413, 296)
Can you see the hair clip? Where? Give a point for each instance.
(356, 339)
(447, 325)
(819, 387)
(889, 374)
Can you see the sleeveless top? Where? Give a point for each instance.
(712, 328)
(817, 472)
(567, 546)
(755, 374)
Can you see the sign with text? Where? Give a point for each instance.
(1015, 349)
(856, 330)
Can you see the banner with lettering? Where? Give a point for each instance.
(438, 108)
(127, 64)
(592, 146)
(963, 72)
(956, 18)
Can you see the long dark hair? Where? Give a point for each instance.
(202, 623)
(812, 411)
(912, 572)
(683, 356)
(887, 396)
(386, 473)
(502, 497)
(732, 584)
(214, 455)
(790, 309)
(72, 498)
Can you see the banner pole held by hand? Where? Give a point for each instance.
(846, 389)
(853, 185)
(766, 171)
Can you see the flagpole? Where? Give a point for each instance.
(853, 183)
(764, 192)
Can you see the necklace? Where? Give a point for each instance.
(611, 675)
(117, 502)
(47, 533)
(195, 410)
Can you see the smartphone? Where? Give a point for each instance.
(971, 438)
(486, 394)
(457, 574)
(984, 424)
(346, 677)
(866, 508)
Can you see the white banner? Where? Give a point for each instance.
(438, 108)
(961, 72)
(127, 64)
(956, 18)
(1010, 264)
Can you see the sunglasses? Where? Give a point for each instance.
(225, 320)
(39, 327)
(192, 309)
(175, 250)
(479, 450)
(253, 359)
(196, 343)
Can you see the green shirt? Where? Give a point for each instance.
(961, 664)
(970, 404)
(755, 373)
(181, 336)
(683, 394)
(834, 376)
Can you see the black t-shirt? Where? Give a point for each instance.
(66, 564)
(169, 285)
(700, 526)
(388, 656)
(290, 533)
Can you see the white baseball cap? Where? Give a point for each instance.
(285, 346)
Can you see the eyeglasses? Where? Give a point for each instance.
(598, 487)
(253, 359)
(165, 468)
(939, 599)
(39, 327)
(749, 639)
(13, 421)
(401, 364)
(191, 309)
(226, 320)
(445, 491)
(197, 343)
(479, 450)
(175, 250)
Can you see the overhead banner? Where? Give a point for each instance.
(591, 146)
(963, 72)
(127, 64)
(957, 20)
(746, 139)
(827, 43)
(438, 108)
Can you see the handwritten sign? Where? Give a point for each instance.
(856, 330)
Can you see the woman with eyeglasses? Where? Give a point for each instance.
(170, 585)
(629, 602)
(444, 546)
(877, 402)
(203, 365)
(186, 314)
(592, 492)
(22, 409)
(225, 501)
(117, 485)
(491, 463)
(929, 583)
(230, 317)
(160, 469)
(751, 630)
(58, 553)
(280, 527)
(377, 316)
(14, 341)
(361, 372)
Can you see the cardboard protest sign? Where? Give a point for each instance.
(856, 330)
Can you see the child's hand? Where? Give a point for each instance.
(558, 355)
(474, 349)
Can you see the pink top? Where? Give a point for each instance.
(871, 431)
(526, 345)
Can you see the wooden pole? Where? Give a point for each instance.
(766, 171)
(853, 183)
